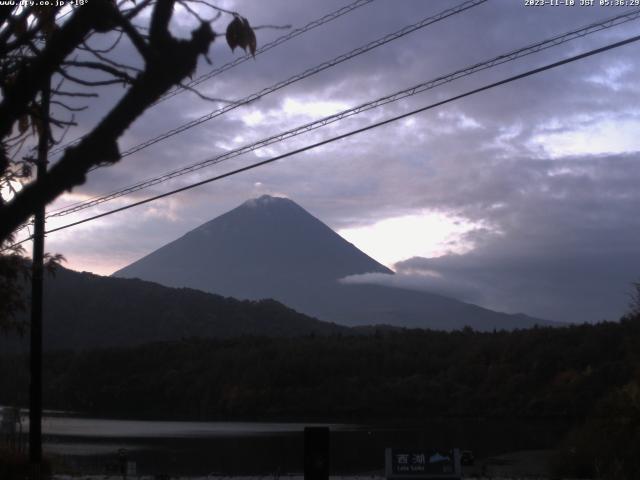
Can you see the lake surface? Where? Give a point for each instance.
(91, 445)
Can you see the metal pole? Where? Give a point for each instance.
(35, 388)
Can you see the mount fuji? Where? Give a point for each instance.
(270, 247)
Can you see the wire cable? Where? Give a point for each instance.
(422, 87)
(307, 73)
(268, 46)
(348, 134)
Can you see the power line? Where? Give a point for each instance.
(268, 46)
(351, 133)
(422, 87)
(307, 73)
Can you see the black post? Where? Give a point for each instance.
(316, 453)
(35, 388)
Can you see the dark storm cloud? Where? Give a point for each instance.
(561, 238)
(419, 56)
(567, 246)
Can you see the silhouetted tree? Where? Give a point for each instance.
(40, 45)
(35, 47)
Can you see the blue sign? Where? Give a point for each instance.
(423, 463)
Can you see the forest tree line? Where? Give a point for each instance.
(541, 372)
(586, 376)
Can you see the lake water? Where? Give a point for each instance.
(91, 445)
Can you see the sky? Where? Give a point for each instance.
(522, 198)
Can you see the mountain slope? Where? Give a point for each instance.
(272, 248)
(264, 241)
(83, 310)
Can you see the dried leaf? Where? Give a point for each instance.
(26, 170)
(36, 124)
(251, 37)
(234, 33)
(21, 27)
(23, 123)
(240, 34)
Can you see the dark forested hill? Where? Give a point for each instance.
(542, 372)
(82, 310)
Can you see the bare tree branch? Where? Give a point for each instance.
(272, 27)
(109, 49)
(103, 67)
(159, 29)
(11, 29)
(133, 12)
(63, 93)
(203, 96)
(68, 107)
(105, 59)
(135, 37)
(178, 60)
(31, 76)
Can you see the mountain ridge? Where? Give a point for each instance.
(83, 311)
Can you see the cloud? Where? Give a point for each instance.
(424, 280)
(548, 165)
(393, 239)
(568, 249)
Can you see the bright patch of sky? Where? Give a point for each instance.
(428, 234)
(606, 136)
(314, 108)
(612, 77)
(459, 120)
(254, 118)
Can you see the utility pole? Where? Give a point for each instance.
(35, 362)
